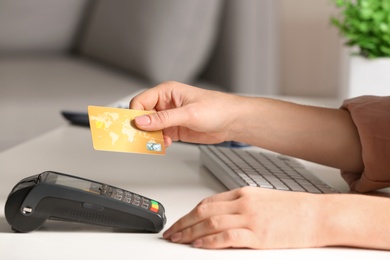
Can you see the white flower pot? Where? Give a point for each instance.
(368, 77)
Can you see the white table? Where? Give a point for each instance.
(177, 180)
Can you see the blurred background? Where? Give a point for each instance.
(65, 55)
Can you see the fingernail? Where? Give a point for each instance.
(142, 120)
(176, 237)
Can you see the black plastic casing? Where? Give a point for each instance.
(51, 201)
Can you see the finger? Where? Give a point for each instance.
(209, 226)
(200, 213)
(162, 119)
(151, 98)
(223, 196)
(146, 100)
(167, 141)
(206, 208)
(236, 238)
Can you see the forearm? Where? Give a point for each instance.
(322, 135)
(354, 221)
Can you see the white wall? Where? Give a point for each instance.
(310, 49)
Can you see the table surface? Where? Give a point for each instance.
(177, 180)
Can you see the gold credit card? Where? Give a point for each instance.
(113, 129)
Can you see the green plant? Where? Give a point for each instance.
(365, 24)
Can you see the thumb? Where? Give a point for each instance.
(160, 120)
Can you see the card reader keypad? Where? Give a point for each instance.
(129, 198)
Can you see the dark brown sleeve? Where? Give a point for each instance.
(371, 116)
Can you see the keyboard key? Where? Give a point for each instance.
(266, 170)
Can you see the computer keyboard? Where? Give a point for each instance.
(237, 167)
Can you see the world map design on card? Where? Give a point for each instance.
(113, 129)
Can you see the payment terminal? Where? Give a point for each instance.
(59, 196)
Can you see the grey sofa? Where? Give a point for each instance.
(65, 55)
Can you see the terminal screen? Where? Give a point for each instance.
(72, 182)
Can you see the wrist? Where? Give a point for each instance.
(329, 221)
(244, 119)
(353, 220)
